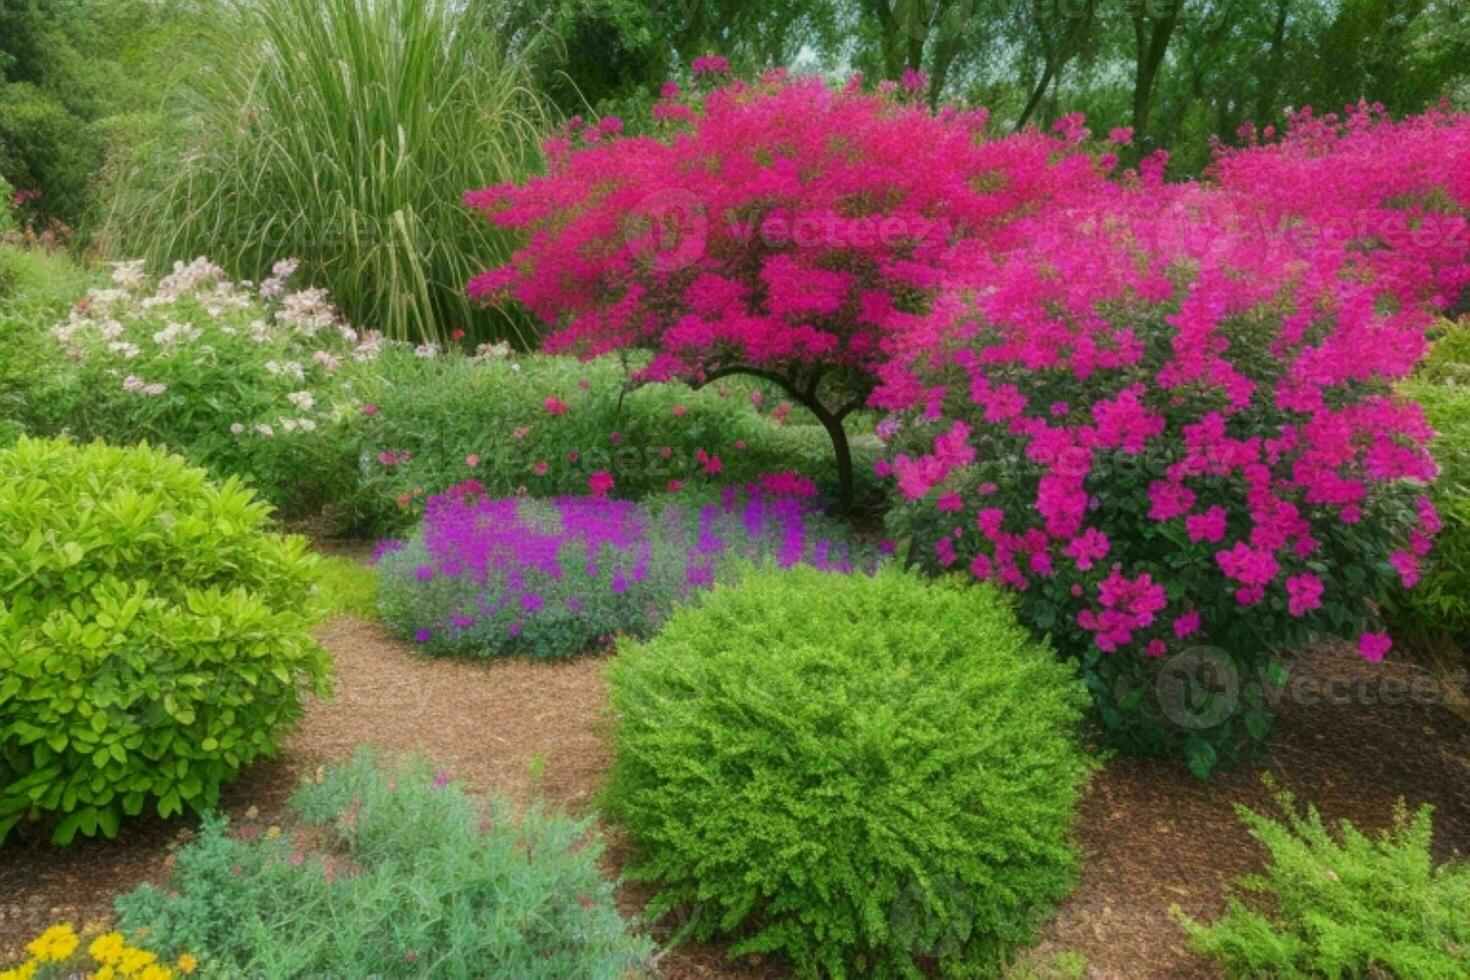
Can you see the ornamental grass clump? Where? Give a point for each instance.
(155, 637)
(1168, 420)
(868, 776)
(342, 132)
(390, 868)
(554, 578)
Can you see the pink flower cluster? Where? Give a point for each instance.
(1166, 371)
(776, 223)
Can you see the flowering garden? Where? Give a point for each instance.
(852, 537)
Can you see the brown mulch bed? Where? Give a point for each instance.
(1152, 836)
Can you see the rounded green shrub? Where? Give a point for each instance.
(154, 638)
(868, 775)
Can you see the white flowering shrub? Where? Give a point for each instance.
(246, 379)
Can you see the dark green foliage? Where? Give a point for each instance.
(1344, 904)
(67, 67)
(861, 774)
(154, 638)
(392, 870)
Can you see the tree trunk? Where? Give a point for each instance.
(1151, 38)
(831, 421)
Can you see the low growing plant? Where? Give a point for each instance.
(868, 776)
(1343, 904)
(493, 576)
(155, 638)
(391, 869)
(544, 424)
(61, 953)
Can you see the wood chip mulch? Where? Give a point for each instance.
(1151, 835)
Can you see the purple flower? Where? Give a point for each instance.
(386, 547)
(531, 602)
(423, 573)
(441, 779)
(423, 636)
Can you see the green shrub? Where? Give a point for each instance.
(1436, 613)
(433, 417)
(391, 872)
(153, 636)
(343, 132)
(861, 774)
(241, 384)
(41, 287)
(1345, 905)
(7, 213)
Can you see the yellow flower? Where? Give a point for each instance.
(54, 945)
(187, 964)
(107, 948)
(105, 973)
(272, 833)
(134, 961)
(156, 972)
(23, 972)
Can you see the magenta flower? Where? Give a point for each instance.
(1374, 645)
(1304, 593)
(555, 406)
(600, 483)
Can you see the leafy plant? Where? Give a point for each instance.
(863, 774)
(154, 638)
(37, 288)
(490, 576)
(1344, 904)
(391, 869)
(344, 132)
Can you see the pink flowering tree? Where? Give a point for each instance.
(1171, 427)
(780, 229)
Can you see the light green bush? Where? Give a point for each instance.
(154, 638)
(860, 774)
(392, 870)
(1344, 905)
